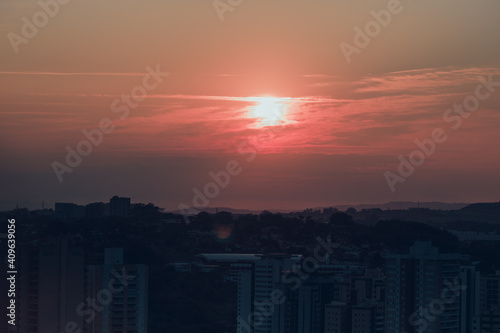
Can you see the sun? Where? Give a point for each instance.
(270, 111)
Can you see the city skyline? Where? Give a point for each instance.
(250, 166)
(132, 267)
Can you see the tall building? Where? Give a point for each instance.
(121, 293)
(93, 285)
(51, 287)
(119, 206)
(342, 290)
(268, 279)
(336, 317)
(490, 320)
(244, 306)
(263, 304)
(240, 268)
(368, 317)
(490, 303)
(310, 300)
(369, 286)
(469, 300)
(415, 282)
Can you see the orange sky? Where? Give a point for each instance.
(344, 124)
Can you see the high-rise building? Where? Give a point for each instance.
(370, 286)
(361, 289)
(415, 282)
(490, 303)
(51, 287)
(93, 285)
(268, 279)
(119, 206)
(490, 320)
(368, 317)
(244, 306)
(263, 304)
(240, 269)
(311, 298)
(336, 317)
(342, 290)
(469, 300)
(121, 293)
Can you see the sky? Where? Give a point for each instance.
(303, 108)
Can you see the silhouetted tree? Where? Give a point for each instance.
(341, 219)
(351, 211)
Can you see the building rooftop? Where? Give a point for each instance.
(239, 257)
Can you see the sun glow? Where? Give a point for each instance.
(270, 111)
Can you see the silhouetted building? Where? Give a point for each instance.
(313, 295)
(260, 290)
(262, 305)
(268, 279)
(119, 206)
(361, 289)
(244, 304)
(469, 300)
(96, 210)
(51, 287)
(368, 317)
(336, 317)
(342, 290)
(122, 293)
(239, 269)
(69, 211)
(490, 320)
(490, 303)
(415, 282)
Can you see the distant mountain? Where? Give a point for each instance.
(482, 208)
(485, 208)
(395, 205)
(401, 205)
(10, 205)
(213, 210)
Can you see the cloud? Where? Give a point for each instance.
(70, 74)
